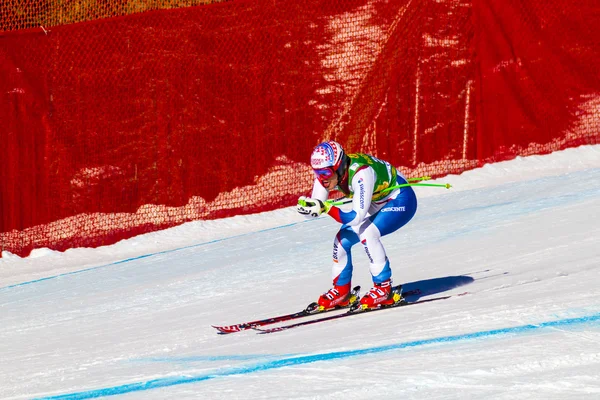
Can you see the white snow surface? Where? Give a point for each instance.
(133, 320)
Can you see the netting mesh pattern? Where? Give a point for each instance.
(136, 121)
(24, 14)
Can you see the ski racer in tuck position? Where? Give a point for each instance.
(376, 212)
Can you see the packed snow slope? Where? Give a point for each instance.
(133, 320)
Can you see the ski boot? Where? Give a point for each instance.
(335, 298)
(381, 295)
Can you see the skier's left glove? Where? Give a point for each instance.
(312, 207)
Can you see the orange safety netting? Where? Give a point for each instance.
(129, 122)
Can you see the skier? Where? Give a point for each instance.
(376, 212)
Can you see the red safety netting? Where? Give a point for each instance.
(129, 124)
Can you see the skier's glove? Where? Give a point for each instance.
(312, 207)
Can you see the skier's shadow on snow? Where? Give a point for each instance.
(432, 286)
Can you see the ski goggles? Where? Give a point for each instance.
(324, 174)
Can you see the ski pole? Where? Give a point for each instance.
(343, 200)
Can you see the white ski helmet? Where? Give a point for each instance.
(329, 154)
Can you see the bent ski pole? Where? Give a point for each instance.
(344, 200)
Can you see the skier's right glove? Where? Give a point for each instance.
(312, 207)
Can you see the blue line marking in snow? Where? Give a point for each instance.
(197, 359)
(146, 256)
(300, 360)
